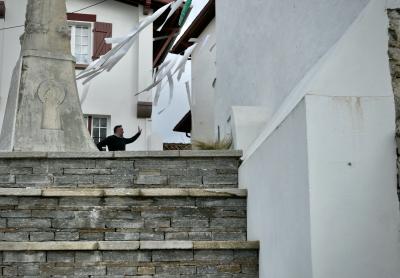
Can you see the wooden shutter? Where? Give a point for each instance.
(101, 31)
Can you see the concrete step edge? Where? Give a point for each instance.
(127, 154)
(128, 245)
(117, 192)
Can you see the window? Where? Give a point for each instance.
(98, 126)
(81, 42)
(87, 38)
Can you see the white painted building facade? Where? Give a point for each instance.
(304, 88)
(111, 97)
(321, 169)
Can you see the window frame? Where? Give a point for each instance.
(90, 25)
(89, 119)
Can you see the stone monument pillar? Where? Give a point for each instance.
(43, 111)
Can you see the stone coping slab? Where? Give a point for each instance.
(127, 245)
(116, 155)
(146, 192)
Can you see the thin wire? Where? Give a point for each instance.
(17, 26)
(101, 2)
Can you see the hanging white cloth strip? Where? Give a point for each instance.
(109, 60)
(174, 7)
(85, 92)
(189, 94)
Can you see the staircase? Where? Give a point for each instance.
(124, 214)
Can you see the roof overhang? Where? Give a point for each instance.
(185, 124)
(197, 27)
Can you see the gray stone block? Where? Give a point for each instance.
(28, 223)
(73, 179)
(175, 202)
(177, 236)
(127, 256)
(15, 213)
(95, 171)
(61, 256)
(76, 202)
(7, 179)
(172, 255)
(66, 236)
(176, 270)
(90, 271)
(228, 202)
(157, 223)
(23, 257)
(126, 224)
(37, 203)
(190, 222)
(121, 270)
(26, 270)
(10, 271)
(151, 236)
(185, 182)
(222, 223)
(200, 235)
(113, 180)
(88, 256)
(14, 236)
(146, 270)
(59, 214)
(213, 255)
(218, 236)
(8, 201)
(34, 179)
(151, 179)
(41, 236)
(220, 179)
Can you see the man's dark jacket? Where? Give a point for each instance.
(115, 143)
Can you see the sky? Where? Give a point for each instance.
(164, 123)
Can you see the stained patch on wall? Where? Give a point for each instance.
(394, 60)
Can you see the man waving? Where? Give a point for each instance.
(117, 142)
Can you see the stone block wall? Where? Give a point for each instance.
(113, 170)
(122, 218)
(118, 264)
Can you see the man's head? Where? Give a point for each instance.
(118, 131)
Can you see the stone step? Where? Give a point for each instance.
(30, 214)
(133, 259)
(127, 245)
(173, 169)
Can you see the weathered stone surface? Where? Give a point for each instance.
(170, 244)
(127, 229)
(47, 115)
(119, 245)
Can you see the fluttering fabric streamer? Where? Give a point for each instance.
(189, 94)
(85, 92)
(174, 7)
(109, 60)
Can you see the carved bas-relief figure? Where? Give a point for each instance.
(51, 94)
(43, 111)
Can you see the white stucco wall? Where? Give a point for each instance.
(111, 94)
(266, 47)
(348, 185)
(276, 177)
(203, 91)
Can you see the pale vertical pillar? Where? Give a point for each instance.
(145, 66)
(43, 111)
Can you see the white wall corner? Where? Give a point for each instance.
(247, 121)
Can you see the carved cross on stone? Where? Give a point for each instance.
(51, 94)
